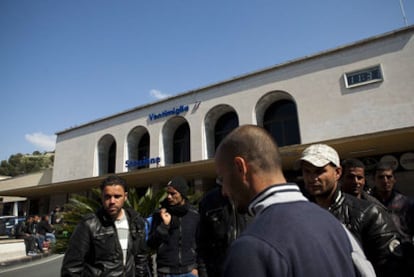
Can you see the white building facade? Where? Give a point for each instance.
(358, 89)
(359, 96)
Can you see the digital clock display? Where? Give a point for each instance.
(362, 77)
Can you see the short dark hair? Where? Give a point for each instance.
(382, 166)
(114, 180)
(351, 163)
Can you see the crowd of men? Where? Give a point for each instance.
(255, 222)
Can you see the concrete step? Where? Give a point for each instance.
(11, 249)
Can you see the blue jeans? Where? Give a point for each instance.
(39, 240)
(51, 237)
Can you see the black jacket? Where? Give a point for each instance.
(220, 225)
(94, 248)
(44, 227)
(373, 228)
(21, 230)
(398, 207)
(175, 244)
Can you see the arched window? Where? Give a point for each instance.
(107, 154)
(281, 120)
(143, 149)
(112, 158)
(181, 144)
(138, 147)
(224, 125)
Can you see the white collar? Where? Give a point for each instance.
(276, 194)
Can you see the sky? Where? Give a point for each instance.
(67, 63)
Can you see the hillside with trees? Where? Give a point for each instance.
(19, 164)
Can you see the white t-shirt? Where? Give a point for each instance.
(123, 233)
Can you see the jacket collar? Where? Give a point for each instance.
(338, 199)
(275, 194)
(107, 220)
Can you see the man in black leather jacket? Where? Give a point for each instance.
(220, 224)
(368, 222)
(110, 242)
(397, 204)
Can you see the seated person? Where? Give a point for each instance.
(29, 239)
(45, 229)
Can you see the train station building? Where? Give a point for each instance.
(358, 98)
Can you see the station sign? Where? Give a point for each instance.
(143, 162)
(166, 113)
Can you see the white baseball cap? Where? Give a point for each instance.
(320, 155)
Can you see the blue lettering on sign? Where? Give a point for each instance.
(143, 162)
(173, 111)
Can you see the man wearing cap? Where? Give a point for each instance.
(288, 236)
(173, 232)
(368, 222)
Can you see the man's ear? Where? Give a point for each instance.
(241, 165)
(338, 171)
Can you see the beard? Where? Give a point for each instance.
(113, 212)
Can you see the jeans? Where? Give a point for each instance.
(51, 237)
(39, 240)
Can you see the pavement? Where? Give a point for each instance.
(12, 252)
(23, 259)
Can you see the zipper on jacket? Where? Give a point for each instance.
(180, 242)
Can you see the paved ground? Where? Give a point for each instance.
(13, 252)
(23, 259)
(45, 267)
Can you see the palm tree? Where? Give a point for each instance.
(77, 207)
(146, 204)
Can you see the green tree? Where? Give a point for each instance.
(4, 168)
(77, 207)
(16, 167)
(15, 159)
(18, 164)
(52, 159)
(147, 203)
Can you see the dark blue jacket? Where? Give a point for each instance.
(290, 236)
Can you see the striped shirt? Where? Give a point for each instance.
(123, 233)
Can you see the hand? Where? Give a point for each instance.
(165, 216)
